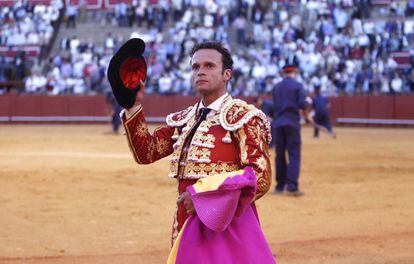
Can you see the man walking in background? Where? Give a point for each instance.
(320, 106)
(113, 109)
(288, 99)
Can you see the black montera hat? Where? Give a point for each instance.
(126, 69)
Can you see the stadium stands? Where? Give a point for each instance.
(403, 59)
(344, 46)
(9, 3)
(10, 52)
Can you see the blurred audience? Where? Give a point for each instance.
(341, 46)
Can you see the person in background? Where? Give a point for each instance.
(321, 105)
(288, 99)
(266, 105)
(71, 15)
(35, 83)
(114, 110)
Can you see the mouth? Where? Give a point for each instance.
(201, 81)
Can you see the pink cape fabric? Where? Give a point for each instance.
(225, 229)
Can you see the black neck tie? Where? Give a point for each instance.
(184, 151)
(203, 112)
(201, 117)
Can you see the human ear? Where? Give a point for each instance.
(227, 74)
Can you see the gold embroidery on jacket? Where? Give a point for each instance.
(254, 132)
(201, 155)
(261, 162)
(234, 113)
(150, 151)
(162, 146)
(194, 170)
(243, 148)
(203, 140)
(141, 129)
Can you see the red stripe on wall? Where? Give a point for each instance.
(156, 106)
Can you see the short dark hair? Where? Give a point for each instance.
(225, 53)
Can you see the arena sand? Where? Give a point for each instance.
(72, 194)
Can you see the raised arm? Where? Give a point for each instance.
(145, 147)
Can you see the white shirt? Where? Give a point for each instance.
(214, 106)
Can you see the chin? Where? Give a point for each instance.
(202, 89)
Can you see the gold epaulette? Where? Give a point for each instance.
(236, 113)
(180, 118)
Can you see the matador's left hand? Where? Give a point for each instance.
(185, 198)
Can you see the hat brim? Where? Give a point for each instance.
(126, 69)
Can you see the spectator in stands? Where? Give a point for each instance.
(396, 83)
(140, 13)
(363, 8)
(240, 25)
(409, 11)
(410, 81)
(36, 82)
(3, 70)
(81, 16)
(20, 66)
(71, 16)
(121, 13)
(131, 13)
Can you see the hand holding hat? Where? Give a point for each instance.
(127, 72)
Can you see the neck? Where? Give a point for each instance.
(210, 98)
(291, 75)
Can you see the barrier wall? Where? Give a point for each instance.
(373, 110)
(43, 108)
(387, 110)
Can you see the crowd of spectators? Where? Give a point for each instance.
(25, 24)
(337, 45)
(79, 67)
(343, 46)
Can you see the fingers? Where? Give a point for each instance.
(140, 95)
(185, 198)
(142, 85)
(180, 199)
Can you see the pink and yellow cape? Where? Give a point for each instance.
(225, 228)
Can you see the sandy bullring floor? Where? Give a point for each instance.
(72, 194)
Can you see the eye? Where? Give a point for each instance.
(210, 66)
(195, 67)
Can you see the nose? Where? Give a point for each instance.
(201, 71)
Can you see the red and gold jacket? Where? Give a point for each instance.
(235, 137)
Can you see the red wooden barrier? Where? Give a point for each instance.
(404, 107)
(355, 107)
(386, 110)
(381, 107)
(337, 108)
